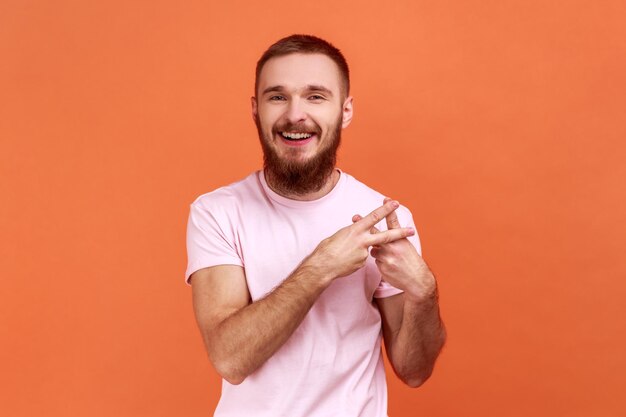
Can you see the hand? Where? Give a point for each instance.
(346, 251)
(399, 263)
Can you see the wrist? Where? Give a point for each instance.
(420, 296)
(315, 270)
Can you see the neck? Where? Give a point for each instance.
(326, 188)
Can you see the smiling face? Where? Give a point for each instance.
(299, 110)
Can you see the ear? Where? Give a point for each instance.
(254, 108)
(347, 112)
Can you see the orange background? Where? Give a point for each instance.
(500, 124)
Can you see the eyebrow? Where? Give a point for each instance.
(310, 87)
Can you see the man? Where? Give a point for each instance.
(292, 287)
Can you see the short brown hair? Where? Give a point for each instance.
(304, 44)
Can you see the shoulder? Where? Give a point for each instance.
(359, 190)
(366, 194)
(229, 196)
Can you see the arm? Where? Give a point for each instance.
(413, 331)
(414, 335)
(239, 335)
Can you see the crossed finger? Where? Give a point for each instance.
(394, 232)
(389, 236)
(392, 218)
(358, 217)
(377, 215)
(373, 230)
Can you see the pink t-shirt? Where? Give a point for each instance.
(332, 364)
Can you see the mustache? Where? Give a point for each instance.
(296, 127)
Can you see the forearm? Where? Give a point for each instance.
(241, 343)
(418, 341)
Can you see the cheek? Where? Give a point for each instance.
(271, 119)
(266, 121)
(331, 119)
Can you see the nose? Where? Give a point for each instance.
(295, 111)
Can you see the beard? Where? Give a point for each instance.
(294, 177)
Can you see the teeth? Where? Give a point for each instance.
(295, 135)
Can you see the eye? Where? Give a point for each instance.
(316, 97)
(276, 98)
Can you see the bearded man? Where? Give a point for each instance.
(293, 289)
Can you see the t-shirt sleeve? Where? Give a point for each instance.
(406, 220)
(211, 240)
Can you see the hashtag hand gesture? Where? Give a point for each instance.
(399, 263)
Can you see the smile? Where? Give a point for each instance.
(297, 138)
(295, 135)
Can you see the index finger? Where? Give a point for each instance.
(392, 218)
(377, 215)
(390, 235)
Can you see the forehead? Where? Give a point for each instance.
(297, 70)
